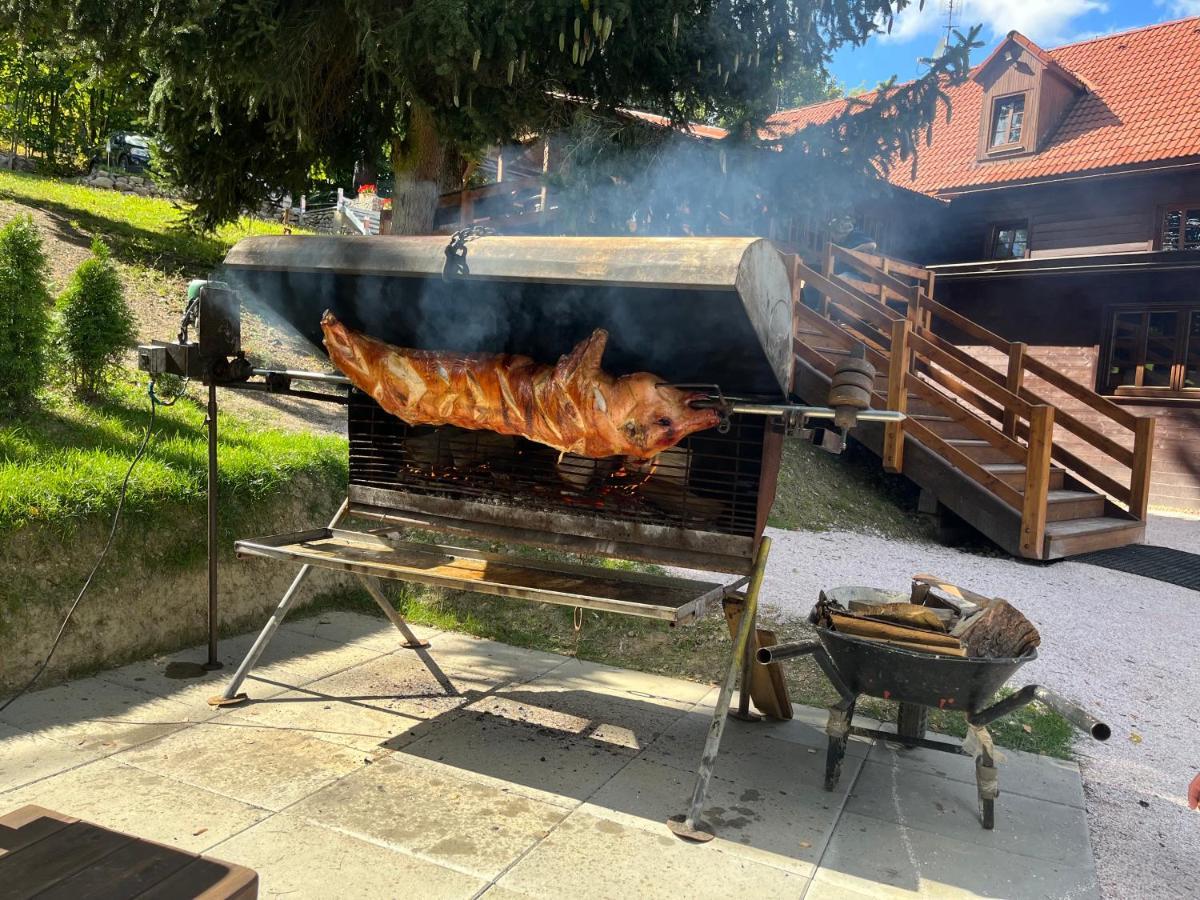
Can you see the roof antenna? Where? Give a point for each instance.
(950, 8)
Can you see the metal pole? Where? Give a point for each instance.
(214, 661)
(231, 695)
(411, 641)
(689, 826)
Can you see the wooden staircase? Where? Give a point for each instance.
(977, 439)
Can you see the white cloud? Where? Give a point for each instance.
(1047, 22)
(1180, 8)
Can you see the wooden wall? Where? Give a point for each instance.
(1094, 216)
(1062, 319)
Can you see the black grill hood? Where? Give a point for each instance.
(696, 310)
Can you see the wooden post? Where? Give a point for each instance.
(1037, 481)
(1143, 451)
(466, 206)
(914, 311)
(930, 281)
(1016, 377)
(827, 271)
(897, 399)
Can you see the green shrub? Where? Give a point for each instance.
(96, 323)
(24, 313)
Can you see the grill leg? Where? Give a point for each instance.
(689, 826)
(231, 697)
(838, 729)
(411, 641)
(743, 710)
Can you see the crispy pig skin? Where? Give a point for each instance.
(573, 406)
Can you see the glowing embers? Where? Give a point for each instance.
(709, 482)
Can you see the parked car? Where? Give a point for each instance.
(127, 151)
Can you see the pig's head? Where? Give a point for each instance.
(648, 415)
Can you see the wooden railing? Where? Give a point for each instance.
(888, 305)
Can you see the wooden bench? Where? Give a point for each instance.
(50, 855)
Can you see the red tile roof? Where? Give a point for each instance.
(1143, 107)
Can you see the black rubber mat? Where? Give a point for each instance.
(1160, 563)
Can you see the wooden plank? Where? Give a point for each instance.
(1037, 481)
(1083, 469)
(897, 396)
(58, 856)
(891, 282)
(1079, 392)
(1081, 429)
(127, 872)
(965, 325)
(970, 375)
(207, 879)
(845, 297)
(958, 389)
(1143, 451)
(27, 825)
(1016, 377)
(965, 464)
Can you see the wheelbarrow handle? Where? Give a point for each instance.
(778, 652)
(1068, 709)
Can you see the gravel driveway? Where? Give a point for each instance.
(1123, 645)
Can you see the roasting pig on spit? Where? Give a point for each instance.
(573, 406)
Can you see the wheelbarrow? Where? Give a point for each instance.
(919, 682)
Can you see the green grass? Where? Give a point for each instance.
(142, 231)
(698, 652)
(64, 462)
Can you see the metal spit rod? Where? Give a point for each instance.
(786, 410)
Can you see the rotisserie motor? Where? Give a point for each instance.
(574, 406)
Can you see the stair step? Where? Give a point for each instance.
(1063, 506)
(980, 450)
(1086, 535)
(1013, 474)
(943, 426)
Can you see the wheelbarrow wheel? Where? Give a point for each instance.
(911, 722)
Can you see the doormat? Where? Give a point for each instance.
(1160, 563)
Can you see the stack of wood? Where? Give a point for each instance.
(936, 617)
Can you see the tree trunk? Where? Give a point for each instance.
(418, 162)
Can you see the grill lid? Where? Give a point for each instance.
(695, 310)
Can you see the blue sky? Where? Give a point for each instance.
(1048, 22)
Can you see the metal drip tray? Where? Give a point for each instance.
(675, 600)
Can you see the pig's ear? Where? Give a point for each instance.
(584, 360)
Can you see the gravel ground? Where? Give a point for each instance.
(1123, 645)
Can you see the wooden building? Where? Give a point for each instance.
(1068, 222)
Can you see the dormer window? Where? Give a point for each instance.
(1008, 115)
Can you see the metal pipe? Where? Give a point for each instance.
(231, 696)
(689, 826)
(214, 661)
(295, 375)
(1068, 709)
(768, 655)
(795, 409)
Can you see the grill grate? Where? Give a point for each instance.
(709, 482)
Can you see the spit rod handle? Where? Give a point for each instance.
(768, 655)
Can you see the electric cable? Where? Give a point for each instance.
(155, 402)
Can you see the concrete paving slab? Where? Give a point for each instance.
(93, 713)
(529, 759)
(372, 632)
(581, 675)
(26, 757)
(592, 857)
(779, 820)
(290, 660)
(268, 767)
(766, 746)
(951, 808)
(872, 857)
(621, 720)
(139, 802)
(480, 658)
(1022, 774)
(434, 814)
(297, 858)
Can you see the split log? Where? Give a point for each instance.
(888, 631)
